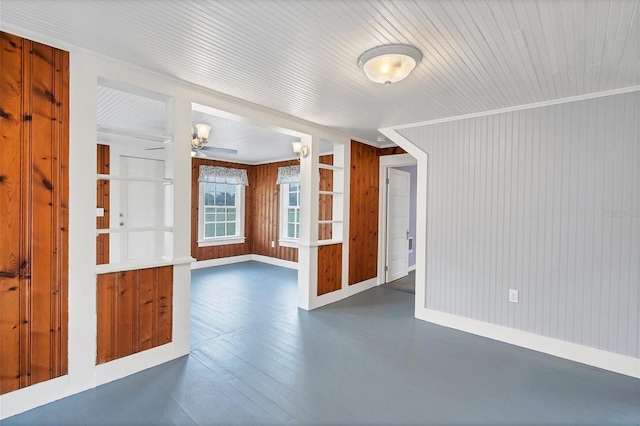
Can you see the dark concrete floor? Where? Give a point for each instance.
(257, 359)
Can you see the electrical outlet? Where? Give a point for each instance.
(513, 295)
(273, 244)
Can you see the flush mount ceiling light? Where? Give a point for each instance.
(390, 63)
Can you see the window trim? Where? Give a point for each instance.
(240, 219)
(283, 239)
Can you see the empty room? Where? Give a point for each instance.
(320, 212)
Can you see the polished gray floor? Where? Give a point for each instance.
(257, 359)
(407, 284)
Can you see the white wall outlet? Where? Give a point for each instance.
(99, 212)
(273, 244)
(513, 295)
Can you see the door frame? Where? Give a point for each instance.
(387, 162)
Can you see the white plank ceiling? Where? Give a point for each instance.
(299, 57)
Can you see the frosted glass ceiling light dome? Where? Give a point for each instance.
(390, 63)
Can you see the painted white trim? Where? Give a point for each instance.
(288, 242)
(343, 293)
(275, 261)
(412, 268)
(122, 367)
(221, 261)
(222, 241)
(141, 264)
(558, 101)
(33, 396)
(420, 246)
(244, 258)
(622, 364)
(386, 162)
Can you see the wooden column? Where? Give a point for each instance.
(34, 135)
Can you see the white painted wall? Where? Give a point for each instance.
(544, 200)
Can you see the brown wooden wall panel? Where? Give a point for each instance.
(329, 268)
(215, 252)
(134, 310)
(102, 200)
(267, 215)
(363, 220)
(34, 117)
(392, 150)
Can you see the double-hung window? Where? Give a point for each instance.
(289, 214)
(289, 181)
(221, 213)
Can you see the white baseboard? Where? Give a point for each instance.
(123, 367)
(222, 261)
(33, 396)
(617, 363)
(275, 261)
(412, 268)
(244, 258)
(343, 293)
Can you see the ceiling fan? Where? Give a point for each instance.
(199, 142)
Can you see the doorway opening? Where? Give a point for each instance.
(396, 246)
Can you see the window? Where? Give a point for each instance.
(289, 214)
(221, 214)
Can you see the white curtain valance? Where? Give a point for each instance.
(288, 174)
(216, 174)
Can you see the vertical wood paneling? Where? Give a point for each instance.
(545, 201)
(266, 226)
(262, 211)
(10, 211)
(33, 213)
(363, 207)
(134, 311)
(103, 201)
(363, 212)
(329, 268)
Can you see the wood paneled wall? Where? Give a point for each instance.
(267, 215)
(329, 268)
(34, 130)
(102, 200)
(262, 211)
(134, 311)
(363, 220)
(215, 252)
(364, 210)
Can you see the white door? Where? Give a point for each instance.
(397, 224)
(141, 205)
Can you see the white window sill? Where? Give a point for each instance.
(221, 241)
(288, 243)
